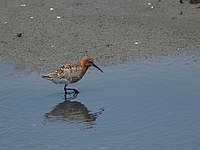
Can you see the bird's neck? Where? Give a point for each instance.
(85, 69)
(84, 66)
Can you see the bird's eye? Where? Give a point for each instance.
(90, 61)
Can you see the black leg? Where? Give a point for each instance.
(65, 96)
(65, 88)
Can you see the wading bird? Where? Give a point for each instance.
(71, 73)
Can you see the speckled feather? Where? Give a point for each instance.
(72, 72)
(67, 73)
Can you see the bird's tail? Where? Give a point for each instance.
(45, 77)
(50, 75)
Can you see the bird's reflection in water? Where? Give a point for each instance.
(73, 112)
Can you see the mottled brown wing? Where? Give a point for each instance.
(66, 73)
(72, 72)
(64, 70)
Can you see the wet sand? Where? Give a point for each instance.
(40, 35)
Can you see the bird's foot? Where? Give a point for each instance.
(70, 93)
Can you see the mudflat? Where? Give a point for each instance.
(40, 35)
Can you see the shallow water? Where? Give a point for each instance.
(143, 105)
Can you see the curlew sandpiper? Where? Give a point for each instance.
(71, 73)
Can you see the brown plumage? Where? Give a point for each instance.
(72, 72)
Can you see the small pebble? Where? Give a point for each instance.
(51, 8)
(5, 22)
(136, 43)
(23, 5)
(58, 17)
(152, 7)
(31, 17)
(149, 3)
(19, 34)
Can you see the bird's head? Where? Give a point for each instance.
(87, 61)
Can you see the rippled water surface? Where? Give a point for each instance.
(144, 105)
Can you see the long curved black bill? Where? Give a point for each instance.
(97, 67)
